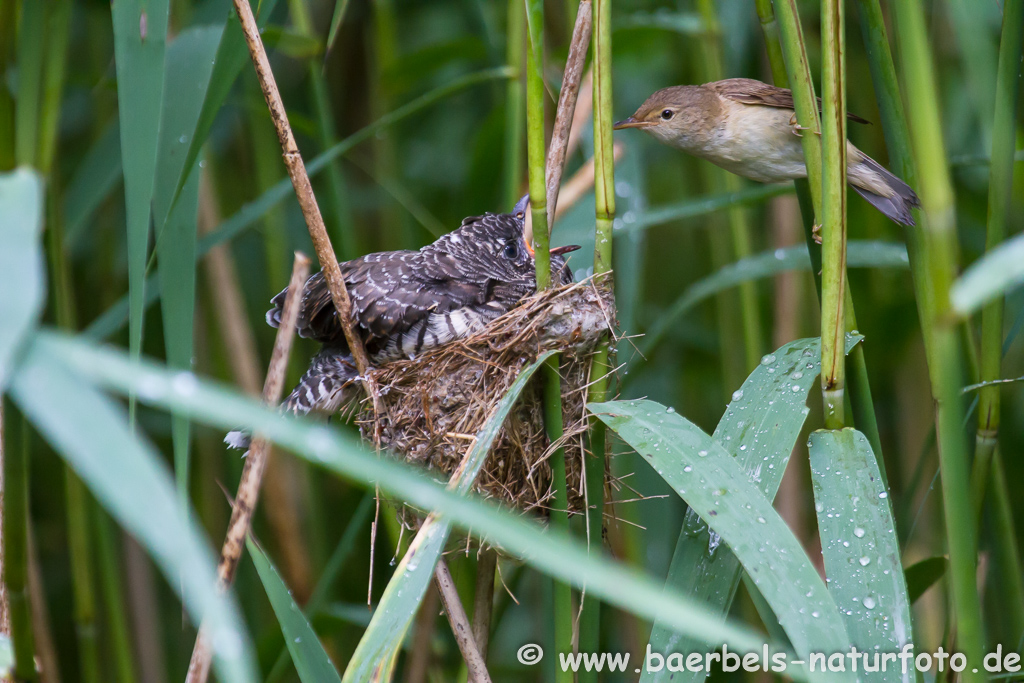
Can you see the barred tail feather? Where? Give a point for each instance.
(323, 389)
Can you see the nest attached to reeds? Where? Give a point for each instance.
(430, 407)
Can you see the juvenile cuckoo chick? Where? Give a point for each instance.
(405, 302)
(749, 128)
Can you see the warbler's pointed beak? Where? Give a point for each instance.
(632, 122)
(559, 251)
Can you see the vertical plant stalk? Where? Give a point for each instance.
(57, 34)
(604, 199)
(7, 36)
(1000, 188)
(833, 212)
(31, 43)
(112, 582)
(460, 624)
(255, 462)
(1007, 552)
(15, 545)
(561, 133)
(798, 75)
(739, 229)
(946, 372)
(538, 232)
(483, 600)
(303, 190)
(514, 110)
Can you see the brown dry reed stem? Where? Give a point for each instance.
(423, 635)
(303, 188)
(486, 564)
(460, 624)
(255, 462)
(282, 503)
(565, 112)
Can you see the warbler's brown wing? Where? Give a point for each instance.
(390, 292)
(750, 91)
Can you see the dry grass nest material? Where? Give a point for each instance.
(432, 405)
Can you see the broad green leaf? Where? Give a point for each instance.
(404, 593)
(140, 34)
(92, 182)
(760, 428)
(311, 661)
(922, 575)
(860, 547)
(998, 272)
(21, 262)
(715, 487)
(128, 477)
(115, 317)
(232, 56)
(554, 553)
(189, 64)
(860, 254)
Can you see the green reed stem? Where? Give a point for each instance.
(31, 46)
(947, 371)
(80, 546)
(112, 585)
(833, 214)
(7, 38)
(1007, 552)
(798, 77)
(515, 113)
(604, 197)
(723, 181)
(1000, 188)
(14, 449)
(58, 26)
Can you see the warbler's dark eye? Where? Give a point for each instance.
(511, 251)
(667, 114)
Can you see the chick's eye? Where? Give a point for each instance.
(511, 251)
(667, 114)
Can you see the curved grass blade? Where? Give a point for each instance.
(760, 428)
(860, 254)
(311, 661)
(340, 8)
(115, 317)
(189, 64)
(21, 261)
(861, 549)
(995, 274)
(92, 182)
(714, 485)
(404, 593)
(140, 34)
(126, 475)
(231, 57)
(553, 553)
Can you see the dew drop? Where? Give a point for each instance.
(858, 532)
(865, 561)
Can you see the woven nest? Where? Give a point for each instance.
(431, 406)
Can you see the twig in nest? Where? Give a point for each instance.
(304, 192)
(255, 463)
(460, 624)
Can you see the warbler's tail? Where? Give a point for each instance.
(883, 190)
(323, 389)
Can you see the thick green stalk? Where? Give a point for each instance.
(947, 371)
(723, 181)
(514, 111)
(1000, 187)
(833, 214)
(1007, 552)
(112, 584)
(536, 152)
(80, 546)
(798, 77)
(14, 452)
(604, 197)
(7, 34)
(536, 165)
(57, 33)
(31, 44)
(772, 44)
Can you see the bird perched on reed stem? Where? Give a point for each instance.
(750, 128)
(405, 302)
